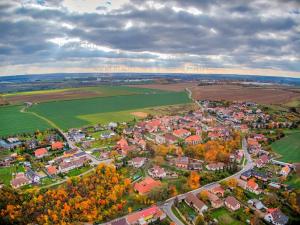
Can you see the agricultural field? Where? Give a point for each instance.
(13, 121)
(288, 147)
(235, 92)
(129, 115)
(72, 93)
(75, 113)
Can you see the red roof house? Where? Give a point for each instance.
(181, 133)
(40, 153)
(57, 145)
(145, 186)
(193, 140)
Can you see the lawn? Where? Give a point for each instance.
(78, 171)
(6, 173)
(224, 217)
(13, 121)
(293, 181)
(288, 147)
(186, 210)
(74, 113)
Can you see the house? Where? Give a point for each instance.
(138, 162)
(145, 186)
(195, 202)
(215, 201)
(253, 187)
(215, 166)
(195, 164)
(71, 163)
(122, 144)
(157, 172)
(51, 170)
(256, 203)
(246, 175)
(32, 176)
(170, 139)
(241, 183)
(193, 140)
(182, 162)
(232, 203)
(285, 171)
(122, 221)
(260, 175)
(146, 216)
(218, 190)
(40, 153)
(262, 161)
(276, 217)
(181, 133)
(19, 180)
(57, 145)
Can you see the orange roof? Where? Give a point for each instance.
(51, 170)
(193, 138)
(154, 210)
(252, 184)
(286, 169)
(40, 152)
(180, 132)
(122, 143)
(146, 185)
(57, 145)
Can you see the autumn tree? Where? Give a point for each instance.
(194, 180)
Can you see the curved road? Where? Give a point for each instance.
(167, 206)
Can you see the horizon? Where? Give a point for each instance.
(204, 37)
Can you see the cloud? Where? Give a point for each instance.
(209, 33)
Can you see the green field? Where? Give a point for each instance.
(80, 112)
(13, 121)
(224, 217)
(6, 173)
(288, 147)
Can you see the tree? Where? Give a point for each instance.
(204, 195)
(200, 220)
(194, 180)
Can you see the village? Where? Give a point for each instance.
(210, 164)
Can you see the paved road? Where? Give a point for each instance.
(167, 206)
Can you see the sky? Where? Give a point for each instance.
(258, 37)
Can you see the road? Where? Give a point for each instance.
(167, 206)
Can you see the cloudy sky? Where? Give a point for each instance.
(203, 36)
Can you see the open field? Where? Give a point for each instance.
(288, 147)
(6, 173)
(235, 92)
(68, 114)
(13, 121)
(72, 93)
(129, 115)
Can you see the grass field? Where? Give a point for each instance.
(288, 147)
(80, 112)
(13, 121)
(224, 218)
(293, 181)
(6, 173)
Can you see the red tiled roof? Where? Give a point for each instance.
(51, 170)
(193, 138)
(180, 132)
(40, 152)
(252, 184)
(57, 145)
(232, 201)
(146, 185)
(152, 211)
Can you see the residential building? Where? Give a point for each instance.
(146, 216)
(157, 172)
(285, 171)
(196, 203)
(193, 140)
(215, 166)
(19, 180)
(138, 162)
(232, 203)
(181, 133)
(276, 217)
(40, 153)
(58, 145)
(145, 186)
(182, 162)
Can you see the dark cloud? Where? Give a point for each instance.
(220, 33)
